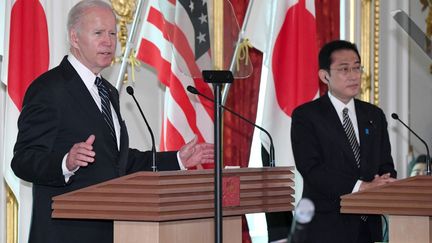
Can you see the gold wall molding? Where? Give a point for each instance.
(369, 50)
(11, 216)
(427, 4)
(376, 45)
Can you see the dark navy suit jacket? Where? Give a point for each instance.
(324, 158)
(58, 111)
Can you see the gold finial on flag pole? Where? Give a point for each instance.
(128, 12)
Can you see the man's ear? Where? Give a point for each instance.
(324, 76)
(73, 38)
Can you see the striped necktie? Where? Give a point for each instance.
(349, 130)
(106, 107)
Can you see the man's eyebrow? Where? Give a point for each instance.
(347, 63)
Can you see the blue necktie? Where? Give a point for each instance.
(106, 107)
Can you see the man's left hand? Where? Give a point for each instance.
(377, 181)
(195, 154)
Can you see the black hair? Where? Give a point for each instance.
(325, 54)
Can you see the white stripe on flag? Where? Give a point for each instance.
(183, 111)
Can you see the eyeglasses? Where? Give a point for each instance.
(347, 70)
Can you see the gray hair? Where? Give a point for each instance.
(77, 11)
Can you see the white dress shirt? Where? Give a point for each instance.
(339, 106)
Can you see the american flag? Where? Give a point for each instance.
(175, 40)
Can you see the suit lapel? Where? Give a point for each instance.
(124, 138)
(114, 99)
(77, 89)
(124, 148)
(82, 98)
(365, 126)
(336, 129)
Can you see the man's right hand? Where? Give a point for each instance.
(377, 181)
(81, 154)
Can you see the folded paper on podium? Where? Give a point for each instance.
(178, 206)
(408, 203)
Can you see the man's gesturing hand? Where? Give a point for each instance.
(194, 153)
(81, 154)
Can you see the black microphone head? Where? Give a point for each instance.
(192, 89)
(130, 90)
(395, 116)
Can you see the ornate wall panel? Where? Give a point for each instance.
(369, 49)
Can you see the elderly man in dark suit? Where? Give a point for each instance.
(71, 133)
(341, 145)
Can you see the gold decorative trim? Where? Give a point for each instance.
(369, 50)
(376, 45)
(11, 216)
(427, 4)
(365, 50)
(218, 13)
(352, 21)
(125, 10)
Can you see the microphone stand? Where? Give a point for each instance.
(428, 160)
(130, 91)
(272, 152)
(217, 78)
(218, 157)
(193, 90)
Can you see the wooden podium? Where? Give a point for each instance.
(178, 206)
(408, 203)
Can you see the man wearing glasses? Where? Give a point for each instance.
(341, 145)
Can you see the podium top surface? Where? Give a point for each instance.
(175, 195)
(411, 196)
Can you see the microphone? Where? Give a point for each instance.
(130, 91)
(428, 160)
(303, 215)
(193, 90)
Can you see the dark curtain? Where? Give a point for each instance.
(242, 98)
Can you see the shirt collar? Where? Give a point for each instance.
(339, 105)
(87, 76)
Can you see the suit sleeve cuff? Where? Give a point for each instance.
(182, 167)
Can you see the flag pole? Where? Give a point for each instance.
(239, 40)
(129, 45)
